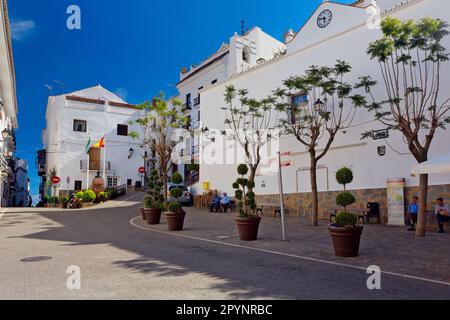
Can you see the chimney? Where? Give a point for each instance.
(184, 70)
(288, 36)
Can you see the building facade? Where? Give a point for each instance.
(345, 36)
(241, 53)
(75, 123)
(8, 108)
(20, 194)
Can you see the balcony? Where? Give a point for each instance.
(195, 150)
(197, 101)
(187, 106)
(95, 165)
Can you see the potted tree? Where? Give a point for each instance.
(154, 200)
(64, 201)
(345, 233)
(247, 221)
(175, 215)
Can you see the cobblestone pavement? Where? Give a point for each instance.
(122, 258)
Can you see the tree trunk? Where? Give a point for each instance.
(422, 218)
(314, 193)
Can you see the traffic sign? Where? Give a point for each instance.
(56, 180)
(142, 170)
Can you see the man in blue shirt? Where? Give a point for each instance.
(215, 204)
(413, 211)
(226, 202)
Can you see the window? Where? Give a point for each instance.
(79, 126)
(198, 117)
(122, 130)
(188, 101)
(214, 81)
(95, 159)
(246, 54)
(78, 185)
(298, 102)
(113, 182)
(129, 182)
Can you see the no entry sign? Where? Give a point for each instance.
(56, 180)
(142, 170)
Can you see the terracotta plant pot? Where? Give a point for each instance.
(346, 240)
(144, 216)
(248, 228)
(153, 216)
(175, 221)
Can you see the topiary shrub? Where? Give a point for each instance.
(45, 198)
(244, 193)
(345, 199)
(79, 195)
(344, 176)
(154, 198)
(175, 193)
(88, 196)
(64, 199)
(103, 196)
(346, 220)
(174, 207)
(54, 200)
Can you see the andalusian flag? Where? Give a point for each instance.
(88, 146)
(100, 143)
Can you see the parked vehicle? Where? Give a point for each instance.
(185, 199)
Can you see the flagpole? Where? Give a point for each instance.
(87, 171)
(104, 161)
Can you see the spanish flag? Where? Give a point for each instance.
(100, 143)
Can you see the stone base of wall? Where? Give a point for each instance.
(299, 204)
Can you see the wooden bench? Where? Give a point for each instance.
(274, 207)
(363, 214)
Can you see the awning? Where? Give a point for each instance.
(433, 166)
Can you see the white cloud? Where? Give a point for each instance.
(121, 93)
(20, 29)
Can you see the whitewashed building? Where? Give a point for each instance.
(241, 53)
(90, 114)
(20, 196)
(343, 34)
(8, 108)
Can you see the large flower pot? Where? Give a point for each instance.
(144, 216)
(248, 228)
(346, 240)
(153, 216)
(175, 221)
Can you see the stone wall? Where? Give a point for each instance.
(299, 204)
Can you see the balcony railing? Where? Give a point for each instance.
(196, 101)
(195, 150)
(187, 105)
(94, 165)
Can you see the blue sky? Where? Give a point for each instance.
(134, 48)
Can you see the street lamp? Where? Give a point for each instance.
(131, 152)
(318, 105)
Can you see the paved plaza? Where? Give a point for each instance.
(120, 257)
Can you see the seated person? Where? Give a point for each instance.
(73, 202)
(442, 213)
(215, 204)
(226, 202)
